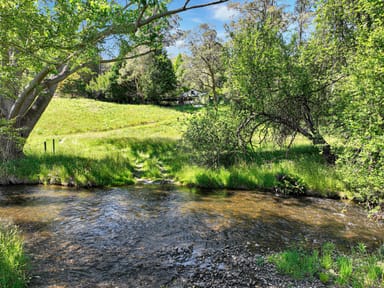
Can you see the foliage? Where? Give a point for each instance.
(360, 109)
(204, 69)
(356, 269)
(211, 138)
(290, 185)
(13, 261)
(76, 84)
(9, 140)
(45, 42)
(147, 79)
(275, 83)
(180, 70)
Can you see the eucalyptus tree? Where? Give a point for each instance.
(204, 68)
(44, 42)
(277, 83)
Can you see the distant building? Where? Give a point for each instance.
(191, 97)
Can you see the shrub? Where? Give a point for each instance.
(211, 138)
(290, 185)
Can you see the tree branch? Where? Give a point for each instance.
(178, 10)
(22, 97)
(65, 74)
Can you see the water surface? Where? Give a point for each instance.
(150, 236)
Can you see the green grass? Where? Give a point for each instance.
(13, 262)
(99, 143)
(357, 269)
(303, 161)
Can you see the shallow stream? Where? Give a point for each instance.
(153, 236)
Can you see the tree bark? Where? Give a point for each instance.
(11, 147)
(326, 150)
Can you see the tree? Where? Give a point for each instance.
(146, 79)
(205, 67)
(355, 31)
(277, 85)
(44, 42)
(152, 76)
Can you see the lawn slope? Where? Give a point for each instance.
(99, 143)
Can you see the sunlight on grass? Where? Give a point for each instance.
(13, 262)
(98, 143)
(355, 269)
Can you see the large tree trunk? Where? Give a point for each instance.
(15, 131)
(11, 147)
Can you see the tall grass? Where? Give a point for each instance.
(13, 262)
(357, 269)
(303, 162)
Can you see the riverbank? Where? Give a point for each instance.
(87, 143)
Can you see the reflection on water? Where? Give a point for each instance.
(114, 233)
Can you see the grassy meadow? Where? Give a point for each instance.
(99, 143)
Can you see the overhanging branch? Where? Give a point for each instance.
(178, 10)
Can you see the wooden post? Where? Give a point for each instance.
(53, 146)
(45, 146)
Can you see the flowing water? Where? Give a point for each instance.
(153, 236)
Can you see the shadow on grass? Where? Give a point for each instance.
(153, 147)
(185, 108)
(72, 170)
(295, 153)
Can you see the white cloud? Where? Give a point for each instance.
(223, 13)
(176, 48)
(197, 20)
(180, 43)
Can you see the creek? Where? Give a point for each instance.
(167, 236)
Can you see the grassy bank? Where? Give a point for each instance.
(357, 268)
(13, 262)
(98, 143)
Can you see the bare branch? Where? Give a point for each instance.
(65, 74)
(128, 57)
(186, 3)
(178, 10)
(140, 16)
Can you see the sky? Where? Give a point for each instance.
(216, 16)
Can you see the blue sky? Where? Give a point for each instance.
(216, 16)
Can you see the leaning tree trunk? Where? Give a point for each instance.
(20, 121)
(326, 151)
(11, 147)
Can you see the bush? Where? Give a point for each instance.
(290, 185)
(363, 170)
(211, 138)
